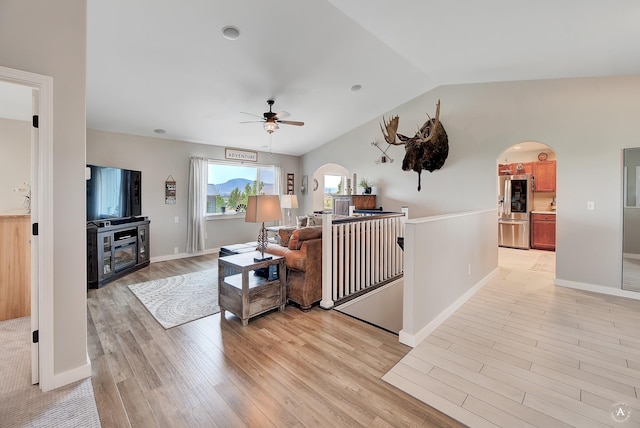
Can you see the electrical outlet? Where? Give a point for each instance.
(176, 219)
(591, 205)
(175, 250)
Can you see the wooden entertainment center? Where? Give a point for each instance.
(116, 248)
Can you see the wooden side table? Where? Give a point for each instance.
(245, 294)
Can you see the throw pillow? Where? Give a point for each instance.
(304, 234)
(314, 220)
(301, 221)
(285, 236)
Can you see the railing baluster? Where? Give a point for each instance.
(358, 255)
(335, 263)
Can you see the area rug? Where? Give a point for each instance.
(179, 299)
(25, 405)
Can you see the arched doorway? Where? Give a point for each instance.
(527, 217)
(322, 185)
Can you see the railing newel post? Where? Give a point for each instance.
(327, 300)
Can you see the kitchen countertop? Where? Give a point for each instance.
(15, 213)
(543, 212)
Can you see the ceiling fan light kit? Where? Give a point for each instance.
(270, 127)
(270, 120)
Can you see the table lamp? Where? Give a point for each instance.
(288, 202)
(263, 208)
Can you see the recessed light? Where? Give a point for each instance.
(355, 88)
(159, 131)
(230, 32)
(516, 148)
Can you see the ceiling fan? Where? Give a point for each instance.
(271, 120)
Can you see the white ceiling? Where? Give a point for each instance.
(165, 65)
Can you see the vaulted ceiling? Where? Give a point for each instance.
(166, 65)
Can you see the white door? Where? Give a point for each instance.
(35, 138)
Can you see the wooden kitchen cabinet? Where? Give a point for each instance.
(543, 231)
(505, 169)
(15, 266)
(544, 175)
(515, 168)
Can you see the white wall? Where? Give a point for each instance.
(49, 38)
(157, 159)
(585, 121)
(447, 258)
(15, 162)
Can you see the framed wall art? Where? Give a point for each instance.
(290, 185)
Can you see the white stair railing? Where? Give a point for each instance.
(360, 254)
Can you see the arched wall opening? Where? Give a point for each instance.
(318, 183)
(530, 226)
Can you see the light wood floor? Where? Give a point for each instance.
(523, 352)
(285, 369)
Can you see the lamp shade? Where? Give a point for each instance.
(289, 201)
(263, 208)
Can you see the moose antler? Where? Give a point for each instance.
(392, 130)
(430, 125)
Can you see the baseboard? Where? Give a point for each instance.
(632, 256)
(73, 375)
(598, 289)
(414, 340)
(183, 255)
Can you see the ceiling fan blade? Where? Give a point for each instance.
(253, 121)
(251, 114)
(282, 114)
(290, 122)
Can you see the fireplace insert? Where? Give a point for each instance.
(124, 254)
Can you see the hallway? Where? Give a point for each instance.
(524, 352)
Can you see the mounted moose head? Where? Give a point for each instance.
(428, 149)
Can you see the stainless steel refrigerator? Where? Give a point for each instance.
(515, 203)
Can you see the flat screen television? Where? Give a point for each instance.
(113, 193)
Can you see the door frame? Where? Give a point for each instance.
(41, 213)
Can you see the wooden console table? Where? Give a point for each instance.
(246, 294)
(341, 203)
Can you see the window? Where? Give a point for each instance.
(332, 186)
(229, 185)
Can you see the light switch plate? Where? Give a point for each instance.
(591, 205)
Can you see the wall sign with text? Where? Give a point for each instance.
(241, 155)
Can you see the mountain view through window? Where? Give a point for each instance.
(229, 186)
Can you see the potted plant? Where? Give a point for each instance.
(366, 186)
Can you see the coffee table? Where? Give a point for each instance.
(245, 294)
